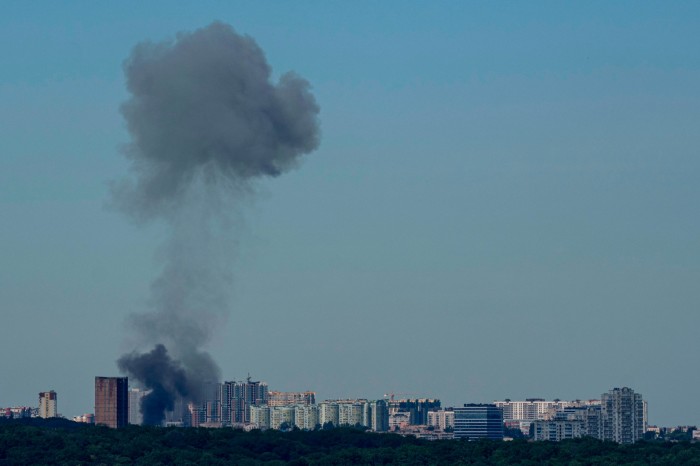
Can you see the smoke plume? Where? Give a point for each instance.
(205, 120)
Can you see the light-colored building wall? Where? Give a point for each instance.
(399, 420)
(281, 415)
(48, 404)
(306, 417)
(329, 412)
(135, 397)
(291, 398)
(351, 414)
(260, 417)
(441, 419)
(622, 416)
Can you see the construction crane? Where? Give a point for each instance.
(391, 395)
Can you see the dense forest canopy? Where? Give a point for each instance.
(59, 441)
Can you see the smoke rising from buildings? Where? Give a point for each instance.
(205, 120)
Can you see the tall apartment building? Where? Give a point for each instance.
(378, 416)
(282, 416)
(112, 401)
(329, 412)
(352, 414)
(206, 410)
(306, 416)
(418, 408)
(135, 397)
(236, 398)
(290, 398)
(48, 404)
(260, 416)
(441, 419)
(622, 415)
(477, 421)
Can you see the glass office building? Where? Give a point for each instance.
(478, 421)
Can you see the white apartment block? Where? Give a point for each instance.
(329, 412)
(306, 417)
(260, 416)
(352, 414)
(281, 415)
(441, 419)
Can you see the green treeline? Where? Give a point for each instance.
(64, 442)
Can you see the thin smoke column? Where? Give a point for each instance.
(205, 120)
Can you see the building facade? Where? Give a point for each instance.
(135, 397)
(351, 414)
(282, 417)
(48, 404)
(478, 421)
(260, 416)
(622, 416)
(291, 398)
(441, 419)
(569, 423)
(306, 416)
(329, 413)
(112, 401)
(418, 408)
(236, 398)
(378, 416)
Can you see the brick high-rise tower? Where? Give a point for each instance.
(112, 401)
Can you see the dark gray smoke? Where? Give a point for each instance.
(205, 120)
(164, 377)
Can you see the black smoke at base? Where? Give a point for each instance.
(205, 120)
(164, 378)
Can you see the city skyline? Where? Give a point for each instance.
(619, 415)
(501, 205)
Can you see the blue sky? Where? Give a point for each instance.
(504, 202)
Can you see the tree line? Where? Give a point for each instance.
(64, 442)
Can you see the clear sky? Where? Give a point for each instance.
(504, 202)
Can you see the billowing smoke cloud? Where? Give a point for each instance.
(204, 119)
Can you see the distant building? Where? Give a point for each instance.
(478, 421)
(442, 419)
(135, 397)
(48, 404)
(179, 415)
(571, 422)
(418, 408)
(622, 415)
(329, 412)
(352, 413)
(399, 420)
(378, 416)
(290, 398)
(282, 417)
(87, 418)
(558, 430)
(520, 414)
(306, 416)
(18, 412)
(112, 401)
(236, 398)
(206, 411)
(260, 416)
